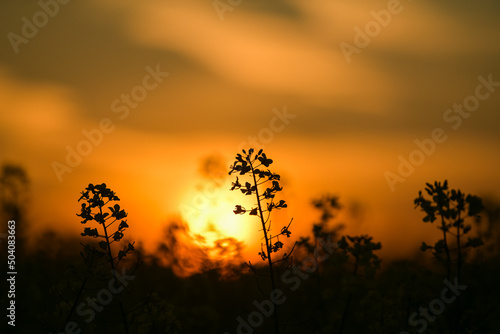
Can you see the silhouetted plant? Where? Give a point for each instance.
(14, 183)
(361, 249)
(251, 164)
(328, 205)
(322, 233)
(96, 198)
(14, 189)
(451, 207)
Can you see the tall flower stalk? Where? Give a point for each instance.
(96, 198)
(451, 207)
(256, 166)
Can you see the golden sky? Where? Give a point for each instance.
(161, 86)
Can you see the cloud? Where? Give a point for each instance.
(272, 55)
(35, 116)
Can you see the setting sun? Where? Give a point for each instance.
(210, 215)
(215, 221)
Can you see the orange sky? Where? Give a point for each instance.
(227, 80)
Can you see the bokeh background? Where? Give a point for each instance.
(228, 75)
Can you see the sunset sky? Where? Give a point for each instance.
(172, 85)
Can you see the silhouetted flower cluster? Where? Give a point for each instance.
(361, 248)
(96, 197)
(248, 163)
(451, 207)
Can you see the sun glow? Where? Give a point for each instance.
(212, 222)
(216, 221)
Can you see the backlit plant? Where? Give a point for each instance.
(264, 185)
(450, 208)
(96, 198)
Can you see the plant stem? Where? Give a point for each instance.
(459, 269)
(112, 262)
(268, 248)
(110, 255)
(344, 314)
(73, 307)
(79, 294)
(446, 250)
(459, 259)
